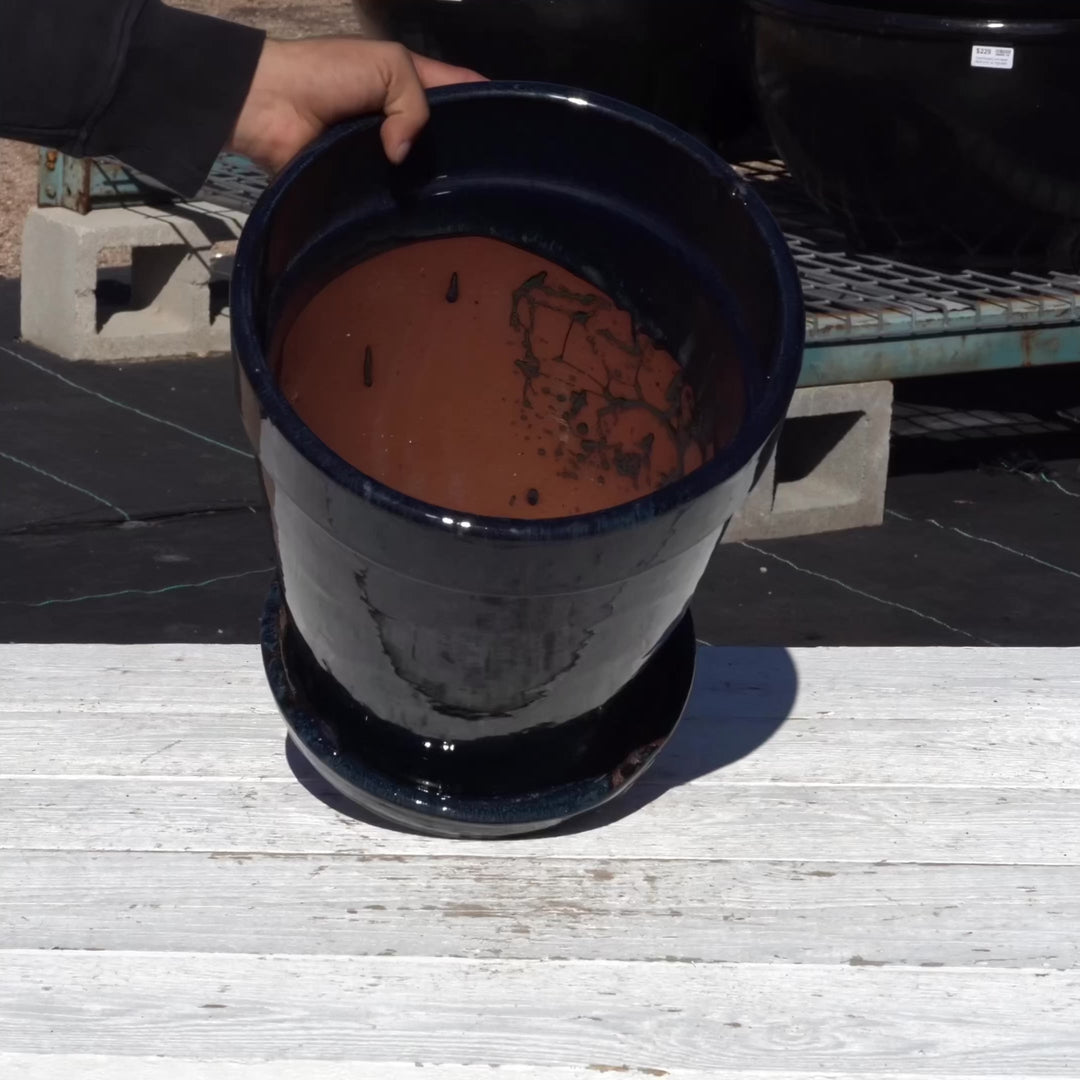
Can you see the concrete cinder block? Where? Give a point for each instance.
(830, 466)
(171, 310)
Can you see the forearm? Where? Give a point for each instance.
(157, 87)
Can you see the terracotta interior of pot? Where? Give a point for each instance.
(548, 311)
(475, 375)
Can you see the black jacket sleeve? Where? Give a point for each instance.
(155, 86)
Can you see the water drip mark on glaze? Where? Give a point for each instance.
(619, 392)
(399, 645)
(532, 497)
(453, 292)
(369, 367)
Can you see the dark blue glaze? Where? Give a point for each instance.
(466, 639)
(878, 111)
(569, 768)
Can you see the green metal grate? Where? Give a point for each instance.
(869, 317)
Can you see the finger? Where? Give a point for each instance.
(435, 73)
(406, 106)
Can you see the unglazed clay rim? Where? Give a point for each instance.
(484, 817)
(763, 418)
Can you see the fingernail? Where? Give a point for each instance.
(403, 150)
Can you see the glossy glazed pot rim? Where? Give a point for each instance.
(864, 16)
(763, 416)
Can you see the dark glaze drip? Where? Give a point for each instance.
(619, 390)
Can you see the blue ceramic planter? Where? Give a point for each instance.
(483, 676)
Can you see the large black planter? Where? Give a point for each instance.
(880, 113)
(687, 60)
(483, 676)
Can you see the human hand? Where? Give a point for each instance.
(300, 88)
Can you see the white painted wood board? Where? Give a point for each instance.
(941, 684)
(710, 747)
(109, 1067)
(606, 909)
(864, 824)
(551, 1013)
(850, 863)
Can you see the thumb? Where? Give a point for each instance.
(406, 106)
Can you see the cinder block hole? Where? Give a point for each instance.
(806, 441)
(113, 289)
(221, 258)
(132, 279)
(219, 298)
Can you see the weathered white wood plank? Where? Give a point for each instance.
(938, 684)
(206, 744)
(839, 913)
(139, 679)
(104, 1067)
(993, 749)
(863, 824)
(570, 1014)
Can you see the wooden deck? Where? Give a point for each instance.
(850, 863)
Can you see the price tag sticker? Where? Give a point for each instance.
(993, 56)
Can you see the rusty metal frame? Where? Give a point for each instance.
(870, 318)
(84, 184)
